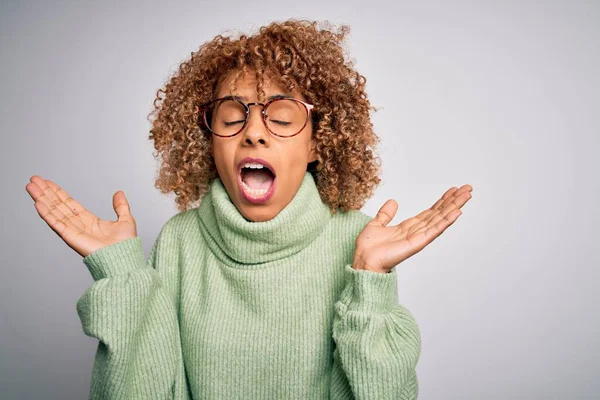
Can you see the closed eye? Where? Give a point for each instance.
(284, 123)
(233, 123)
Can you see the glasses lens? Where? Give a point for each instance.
(286, 117)
(226, 117)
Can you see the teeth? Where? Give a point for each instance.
(253, 166)
(254, 192)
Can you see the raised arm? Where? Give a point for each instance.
(130, 308)
(377, 340)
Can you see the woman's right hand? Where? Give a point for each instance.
(79, 228)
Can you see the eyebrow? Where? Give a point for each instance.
(275, 96)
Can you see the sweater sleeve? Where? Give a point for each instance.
(130, 312)
(377, 340)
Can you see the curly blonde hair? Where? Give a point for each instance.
(299, 56)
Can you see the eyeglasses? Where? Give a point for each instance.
(282, 116)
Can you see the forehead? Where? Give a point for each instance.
(246, 85)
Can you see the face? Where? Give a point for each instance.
(287, 156)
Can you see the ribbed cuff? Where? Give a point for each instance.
(369, 291)
(116, 259)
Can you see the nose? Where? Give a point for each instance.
(255, 130)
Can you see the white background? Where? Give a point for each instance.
(503, 96)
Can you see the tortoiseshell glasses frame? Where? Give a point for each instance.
(203, 108)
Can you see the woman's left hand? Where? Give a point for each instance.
(380, 248)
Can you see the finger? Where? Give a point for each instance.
(425, 216)
(410, 223)
(385, 214)
(422, 223)
(47, 196)
(49, 218)
(440, 224)
(58, 226)
(450, 194)
(74, 213)
(121, 206)
(428, 234)
(456, 202)
(450, 204)
(455, 195)
(445, 196)
(58, 216)
(34, 189)
(446, 215)
(73, 205)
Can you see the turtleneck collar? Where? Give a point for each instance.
(241, 243)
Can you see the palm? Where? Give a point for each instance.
(380, 247)
(83, 231)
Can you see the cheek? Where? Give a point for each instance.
(297, 157)
(221, 151)
(223, 158)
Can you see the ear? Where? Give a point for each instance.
(312, 155)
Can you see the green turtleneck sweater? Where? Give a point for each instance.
(225, 308)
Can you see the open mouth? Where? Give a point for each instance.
(257, 182)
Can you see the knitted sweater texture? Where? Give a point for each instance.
(226, 308)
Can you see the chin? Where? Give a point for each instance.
(258, 215)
